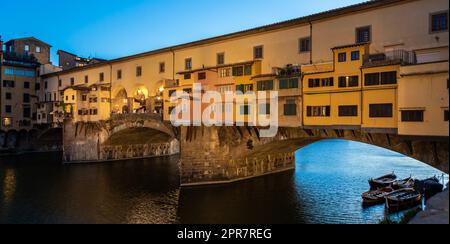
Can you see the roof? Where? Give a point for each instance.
(280, 25)
(28, 38)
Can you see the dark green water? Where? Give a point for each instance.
(325, 188)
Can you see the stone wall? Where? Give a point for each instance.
(86, 141)
(214, 155)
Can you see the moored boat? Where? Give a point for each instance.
(402, 199)
(376, 196)
(383, 181)
(405, 183)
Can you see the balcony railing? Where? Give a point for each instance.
(392, 57)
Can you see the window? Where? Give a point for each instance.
(342, 82)
(225, 72)
(172, 93)
(305, 44)
(412, 116)
(238, 71)
(348, 111)
(439, 22)
(162, 67)
(8, 109)
(202, 76)
(119, 74)
(27, 48)
(353, 81)
(187, 90)
(363, 34)
(342, 57)
(8, 96)
(9, 83)
(388, 78)
(7, 122)
(220, 58)
(72, 81)
(223, 89)
(138, 71)
(244, 88)
(290, 107)
(355, 55)
(46, 84)
(101, 77)
(59, 83)
(9, 71)
(446, 115)
(288, 83)
(26, 85)
(37, 86)
(312, 83)
(245, 109)
(372, 79)
(264, 108)
(318, 111)
(38, 49)
(187, 76)
(248, 69)
(73, 97)
(381, 110)
(86, 79)
(326, 82)
(26, 112)
(258, 52)
(265, 85)
(188, 64)
(84, 98)
(26, 98)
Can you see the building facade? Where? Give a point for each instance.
(360, 66)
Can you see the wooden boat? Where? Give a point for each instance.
(383, 181)
(405, 183)
(402, 199)
(376, 197)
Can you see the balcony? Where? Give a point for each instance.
(21, 59)
(401, 57)
(288, 71)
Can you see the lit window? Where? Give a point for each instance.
(27, 48)
(7, 122)
(38, 49)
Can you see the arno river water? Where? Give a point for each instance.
(325, 188)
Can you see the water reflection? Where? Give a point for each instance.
(325, 188)
(9, 185)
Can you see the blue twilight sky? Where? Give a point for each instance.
(115, 28)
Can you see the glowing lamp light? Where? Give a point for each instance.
(161, 89)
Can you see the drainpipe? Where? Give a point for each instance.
(110, 90)
(173, 63)
(311, 42)
(362, 96)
